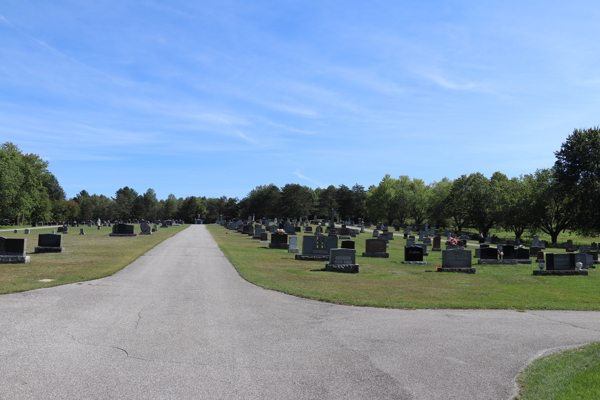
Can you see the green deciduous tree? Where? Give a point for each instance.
(295, 201)
(577, 171)
(518, 213)
(552, 211)
(23, 180)
(124, 201)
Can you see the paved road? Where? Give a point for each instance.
(179, 323)
(37, 227)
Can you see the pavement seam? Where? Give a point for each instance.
(561, 322)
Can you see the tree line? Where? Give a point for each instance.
(550, 200)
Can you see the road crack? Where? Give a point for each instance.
(563, 323)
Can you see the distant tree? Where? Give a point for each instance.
(53, 188)
(231, 208)
(359, 198)
(457, 202)
(64, 210)
(418, 201)
(124, 201)
(518, 213)
(295, 201)
(191, 208)
(552, 211)
(326, 201)
(344, 200)
(138, 209)
(437, 209)
(486, 200)
(577, 173)
(169, 207)
(262, 201)
(23, 194)
(382, 200)
(150, 204)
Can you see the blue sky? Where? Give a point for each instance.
(216, 98)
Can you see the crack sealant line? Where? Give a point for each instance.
(561, 322)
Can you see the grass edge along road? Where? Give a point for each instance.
(391, 284)
(93, 255)
(566, 375)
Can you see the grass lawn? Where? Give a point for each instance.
(568, 375)
(389, 283)
(86, 257)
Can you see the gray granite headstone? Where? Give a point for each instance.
(457, 259)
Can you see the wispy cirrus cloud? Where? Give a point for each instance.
(306, 178)
(447, 84)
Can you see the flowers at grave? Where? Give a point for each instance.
(279, 231)
(452, 241)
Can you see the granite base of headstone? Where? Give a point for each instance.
(342, 260)
(49, 243)
(563, 265)
(279, 241)
(13, 251)
(376, 248)
(457, 261)
(123, 230)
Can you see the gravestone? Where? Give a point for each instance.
(264, 237)
(348, 244)
(26, 231)
(410, 242)
(427, 241)
(308, 229)
(81, 232)
(292, 248)
(540, 256)
(562, 264)
(413, 255)
(123, 230)
(49, 243)
(437, 244)
(318, 230)
(376, 248)
(423, 246)
(65, 229)
(488, 253)
(457, 261)
(342, 260)
(522, 254)
(509, 252)
(375, 233)
(279, 241)
(317, 248)
(258, 231)
(13, 251)
(145, 229)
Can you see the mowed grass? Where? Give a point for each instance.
(86, 257)
(568, 375)
(389, 283)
